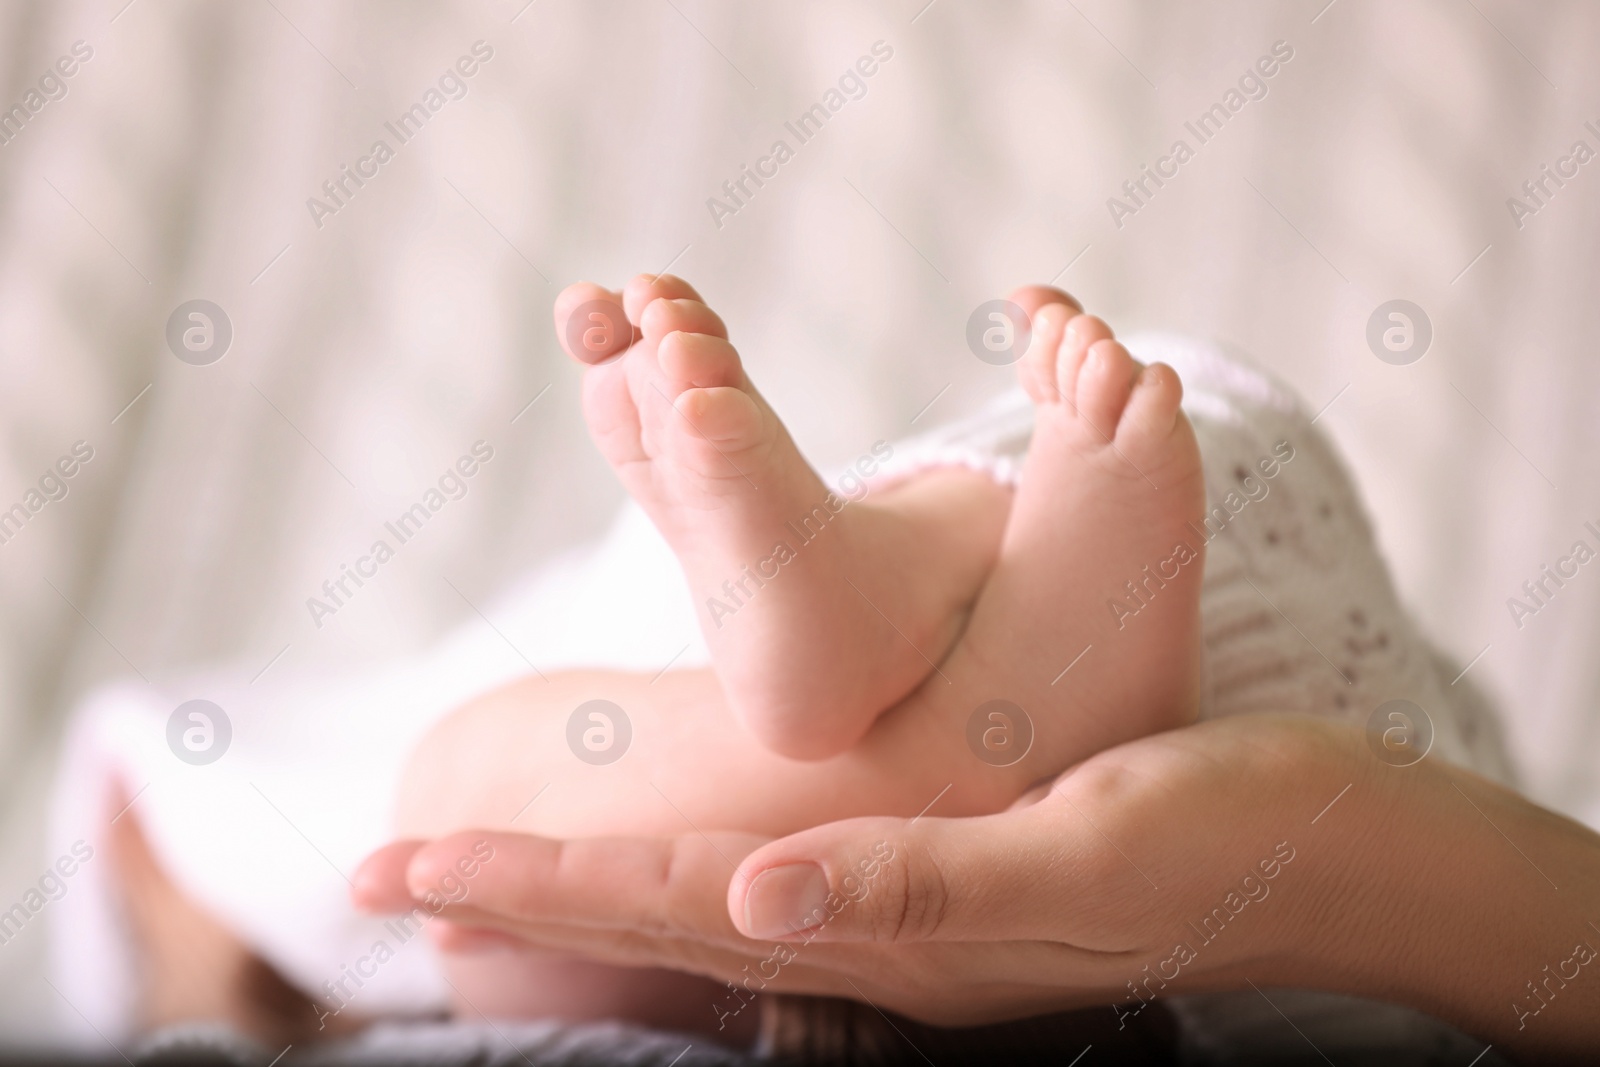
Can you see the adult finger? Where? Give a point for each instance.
(458, 937)
(817, 970)
(540, 893)
(668, 887)
(999, 877)
(379, 884)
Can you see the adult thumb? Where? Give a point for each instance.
(996, 877)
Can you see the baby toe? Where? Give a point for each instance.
(1104, 383)
(1082, 333)
(1037, 370)
(1152, 408)
(700, 359)
(663, 316)
(723, 419)
(642, 289)
(590, 323)
(1032, 298)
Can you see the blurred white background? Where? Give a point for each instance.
(372, 351)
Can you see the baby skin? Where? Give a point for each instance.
(845, 686)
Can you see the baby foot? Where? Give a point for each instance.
(1090, 621)
(814, 608)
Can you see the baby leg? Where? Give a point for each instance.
(843, 608)
(502, 762)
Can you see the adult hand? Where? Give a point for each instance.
(1265, 851)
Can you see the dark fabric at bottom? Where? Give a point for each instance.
(809, 1030)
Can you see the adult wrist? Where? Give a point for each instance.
(1441, 891)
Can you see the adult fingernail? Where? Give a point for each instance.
(783, 901)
